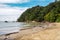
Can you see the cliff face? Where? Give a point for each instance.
(50, 13)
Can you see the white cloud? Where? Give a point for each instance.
(14, 1)
(2, 5)
(10, 13)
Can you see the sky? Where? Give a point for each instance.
(10, 10)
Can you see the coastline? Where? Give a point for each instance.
(12, 36)
(26, 31)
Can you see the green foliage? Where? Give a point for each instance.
(58, 18)
(50, 17)
(39, 13)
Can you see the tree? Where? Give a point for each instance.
(39, 13)
(58, 18)
(50, 17)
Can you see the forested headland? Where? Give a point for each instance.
(49, 13)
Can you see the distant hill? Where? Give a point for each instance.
(50, 13)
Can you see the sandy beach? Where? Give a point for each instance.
(46, 32)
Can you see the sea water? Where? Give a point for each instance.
(9, 27)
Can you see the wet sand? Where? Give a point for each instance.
(44, 32)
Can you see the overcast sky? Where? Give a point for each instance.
(10, 10)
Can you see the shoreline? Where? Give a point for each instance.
(25, 31)
(14, 34)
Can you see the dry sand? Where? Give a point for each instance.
(46, 32)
